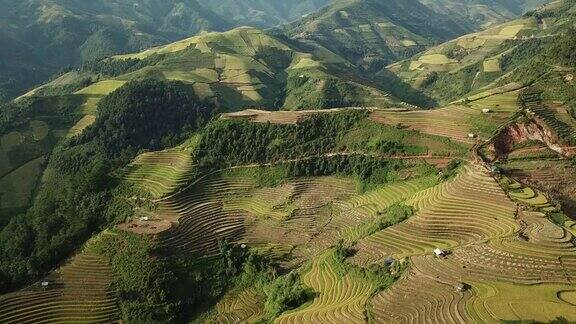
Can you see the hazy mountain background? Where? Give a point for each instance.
(40, 37)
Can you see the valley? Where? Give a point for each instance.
(349, 166)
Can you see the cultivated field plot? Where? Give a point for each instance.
(339, 298)
(472, 49)
(498, 251)
(306, 214)
(262, 116)
(159, 173)
(247, 67)
(17, 186)
(79, 292)
(22, 155)
(550, 174)
(470, 208)
(519, 266)
(423, 295)
(457, 122)
(243, 307)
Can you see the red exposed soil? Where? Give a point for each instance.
(519, 133)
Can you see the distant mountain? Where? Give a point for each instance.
(243, 68)
(40, 37)
(263, 13)
(472, 63)
(483, 13)
(374, 33)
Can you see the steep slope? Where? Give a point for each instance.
(40, 37)
(376, 33)
(242, 68)
(373, 32)
(263, 13)
(483, 13)
(473, 62)
(247, 67)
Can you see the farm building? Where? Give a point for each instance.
(440, 252)
(471, 135)
(486, 110)
(461, 286)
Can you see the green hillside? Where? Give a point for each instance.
(242, 68)
(253, 176)
(247, 67)
(373, 33)
(477, 62)
(376, 33)
(44, 37)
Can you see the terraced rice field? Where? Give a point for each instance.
(476, 48)
(101, 88)
(423, 295)
(501, 252)
(470, 208)
(79, 292)
(339, 298)
(527, 196)
(305, 214)
(455, 121)
(552, 114)
(527, 275)
(81, 125)
(202, 220)
(244, 307)
(499, 300)
(159, 173)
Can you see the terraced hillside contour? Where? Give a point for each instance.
(470, 208)
(467, 123)
(303, 214)
(159, 173)
(247, 67)
(79, 292)
(339, 297)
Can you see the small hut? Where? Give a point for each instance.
(439, 252)
(486, 110)
(460, 286)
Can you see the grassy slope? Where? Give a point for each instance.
(476, 63)
(45, 37)
(246, 67)
(367, 33)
